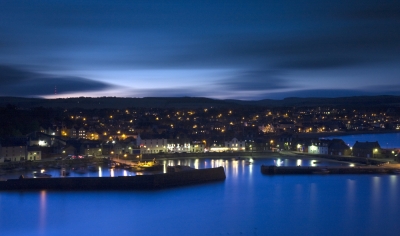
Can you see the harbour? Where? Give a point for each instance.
(247, 202)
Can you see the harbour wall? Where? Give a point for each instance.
(282, 170)
(156, 181)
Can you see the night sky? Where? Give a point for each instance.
(219, 49)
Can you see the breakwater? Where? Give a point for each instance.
(156, 181)
(271, 170)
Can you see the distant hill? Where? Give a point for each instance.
(198, 102)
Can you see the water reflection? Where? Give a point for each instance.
(314, 163)
(393, 190)
(42, 211)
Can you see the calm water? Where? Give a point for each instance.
(246, 203)
(390, 140)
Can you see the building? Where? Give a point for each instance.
(367, 149)
(179, 145)
(235, 145)
(91, 149)
(339, 148)
(153, 145)
(197, 147)
(319, 147)
(13, 150)
(34, 154)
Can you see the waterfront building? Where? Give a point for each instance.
(338, 147)
(197, 147)
(33, 154)
(319, 147)
(367, 149)
(179, 145)
(235, 145)
(13, 149)
(152, 145)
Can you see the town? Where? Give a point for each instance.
(31, 134)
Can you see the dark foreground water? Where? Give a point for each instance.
(247, 203)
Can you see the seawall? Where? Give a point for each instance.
(155, 181)
(282, 170)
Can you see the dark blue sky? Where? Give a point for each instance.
(219, 49)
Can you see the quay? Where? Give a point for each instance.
(282, 170)
(139, 182)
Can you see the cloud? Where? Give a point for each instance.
(253, 81)
(271, 45)
(318, 63)
(327, 93)
(19, 82)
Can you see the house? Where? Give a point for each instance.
(235, 145)
(318, 147)
(34, 153)
(13, 149)
(153, 144)
(44, 140)
(338, 147)
(285, 141)
(197, 147)
(367, 149)
(179, 145)
(91, 149)
(68, 150)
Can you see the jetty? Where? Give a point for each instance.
(145, 182)
(283, 170)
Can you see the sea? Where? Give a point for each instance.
(246, 203)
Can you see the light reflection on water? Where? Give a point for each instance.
(246, 203)
(42, 211)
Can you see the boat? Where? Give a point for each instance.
(316, 162)
(248, 162)
(41, 175)
(148, 166)
(321, 171)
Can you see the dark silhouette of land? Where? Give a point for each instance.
(198, 102)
